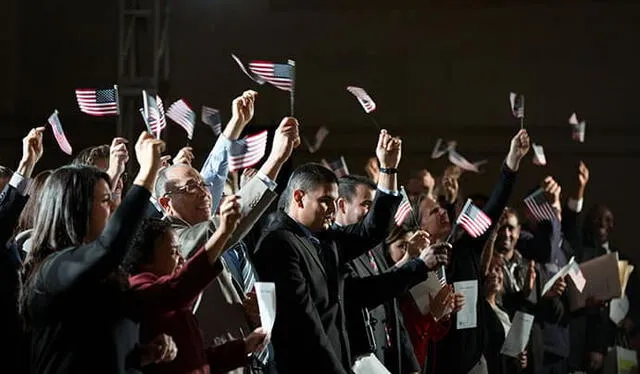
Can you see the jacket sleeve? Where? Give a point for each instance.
(356, 239)
(277, 261)
(93, 261)
(374, 290)
(11, 204)
(226, 357)
(175, 291)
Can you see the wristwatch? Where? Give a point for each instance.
(389, 170)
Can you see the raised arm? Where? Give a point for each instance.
(97, 259)
(14, 196)
(277, 261)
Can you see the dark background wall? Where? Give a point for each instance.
(434, 70)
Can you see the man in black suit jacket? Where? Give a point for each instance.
(12, 200)
(373, 321)
(303, 258)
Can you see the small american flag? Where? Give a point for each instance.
(404, 209)
(321, 134)
(183, 115)
(577, 128)
(473, 220)
(539, 207)
(56, 126)
(538, 155)
(365, 100)
(256, 78)
(339, 167)
(279, 75)
(102, 102)
(248, 151)
(517, 104)
(153, 113)
(211, 117)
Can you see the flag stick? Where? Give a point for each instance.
(292, 63)
(117, 95)
(521, 123)
(374, 122)
(291, 101)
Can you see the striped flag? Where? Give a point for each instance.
(363, 97)
(279, 75)
(56, 126)
(339, 167)
(577, 128)
(321, 134)
(459, 160)
(256, 78)
(153, 113)
(517, 104)
(211, 117)
(183, 115)
(539, 207)
(102, 102)
(248, 151)
(473, 220)
(538, 155)
(404, 209)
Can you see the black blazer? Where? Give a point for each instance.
(309, 335)
(363, 290)
(11, 205)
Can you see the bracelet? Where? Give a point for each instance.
(389, 170)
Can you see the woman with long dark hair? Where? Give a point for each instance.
(74, 299)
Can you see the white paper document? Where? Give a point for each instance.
(571, 269)
(422, 292)
(603, 281)
(266, 293)
(518, 336)
(369, 364)
(618, 309)
(466, 318)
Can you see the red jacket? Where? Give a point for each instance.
(165, 303)
(422, 329)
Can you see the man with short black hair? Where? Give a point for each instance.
(304, 258)
(5, 176)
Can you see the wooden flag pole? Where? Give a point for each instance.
(292, 63)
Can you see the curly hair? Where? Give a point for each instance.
(141, 250)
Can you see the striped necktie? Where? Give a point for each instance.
(248, 274)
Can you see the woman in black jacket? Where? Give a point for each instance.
(74, 302)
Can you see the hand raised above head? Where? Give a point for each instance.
(388, 150)
(184, 156)
(518, 148)
(243, 107)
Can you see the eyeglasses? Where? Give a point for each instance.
(190, 188)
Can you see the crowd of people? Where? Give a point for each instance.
(104, 273)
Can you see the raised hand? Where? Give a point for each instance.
(118, 158)
(530, 281)
(518, 148)
(184, 156)
(31, 151)
(583, 179)
(435, 255)
(388, 150)
(148, 150)
(243, 107)
(286, 138)
(451, 187)
(417, 243)
(229, 214)
(552, 191)
(557, 290)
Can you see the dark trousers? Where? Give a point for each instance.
(554, 364)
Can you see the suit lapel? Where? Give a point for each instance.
(363, 261)
(312, 251)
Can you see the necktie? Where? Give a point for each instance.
(248, 275)
(372, 261)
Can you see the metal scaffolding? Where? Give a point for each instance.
(143, 57)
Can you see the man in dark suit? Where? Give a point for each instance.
(303, 258)
(12, 200)
(373, 323)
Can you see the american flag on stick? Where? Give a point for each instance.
(338, 166)
(211, 117)
(98, 102)
(363, 97)
(248, 151)
(577, 128)
(321, 134)
(517, 104)
(538, 155)
(473, 220)
(279, 75)
(153, 113)
(404, 209)
(183, 115)
(56, 126)
(539, 207)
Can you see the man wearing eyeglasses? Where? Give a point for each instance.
(189, 200)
